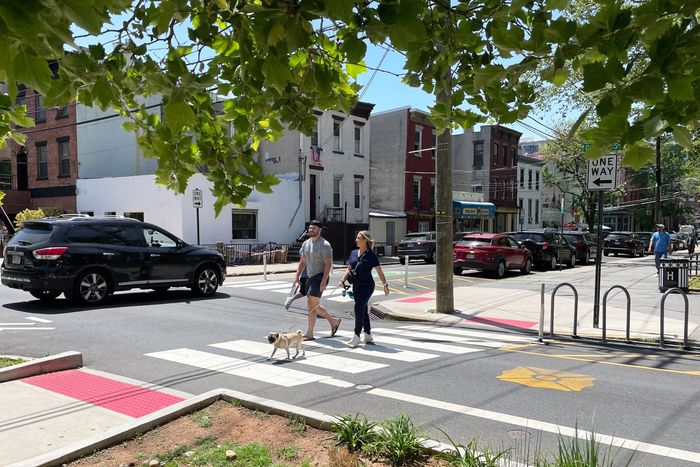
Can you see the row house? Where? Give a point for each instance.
(530, 192)
(402, 176)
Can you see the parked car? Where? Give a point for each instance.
(680, 241)
(623, 242)
(646, 238)
(458, 236)
(548, 247)
(497, 253)
(585, 244)
(417, 245)
(88, 259)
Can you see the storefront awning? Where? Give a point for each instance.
(473, 210)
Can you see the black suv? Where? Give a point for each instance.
(88, 259)
(417, 245)
(623, 242)
(547, 246)
(585, 244)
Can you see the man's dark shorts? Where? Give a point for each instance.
(313, 285)
(302, 285)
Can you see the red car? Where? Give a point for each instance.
(491, 252)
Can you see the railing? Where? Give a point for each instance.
(240, 254)
(332, 215)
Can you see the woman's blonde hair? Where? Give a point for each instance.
(367, 236)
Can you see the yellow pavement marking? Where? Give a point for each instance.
(547, 379)
(516, 349)
(420, 286)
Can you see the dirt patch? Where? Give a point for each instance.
(226, 422)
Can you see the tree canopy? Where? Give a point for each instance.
(271, 62)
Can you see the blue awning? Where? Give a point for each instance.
(473, 210)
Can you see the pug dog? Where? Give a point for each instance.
(285, 340)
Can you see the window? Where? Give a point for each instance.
(416, 194)
(432, 196)
(390, 232)
(157, 239)
(42, 157)
(537, 211)
(337, 195)
(358, 193)
(433, 144)
(337, 135)
(529, 179)
(122, 235)
(89, 213)
(477, 189)
(110, 213)
(358, 139)
(494, 155)
(529, 211)
(84, 234)
(522, 178)
(504, 150)
(478, 155)
(244, 225)
(503, 185)
(62, 112)
(520, 206)
(63, 158)
(418, 140)
(494, 188)
(314, 135)
(512, 189)
(537, 180)
(514, 153)
(40, 112)
(134, 215)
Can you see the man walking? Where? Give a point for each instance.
(661, 244)
(317, 258)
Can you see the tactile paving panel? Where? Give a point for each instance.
(117, 396)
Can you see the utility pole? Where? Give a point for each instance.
(657, 200)
(443, 208)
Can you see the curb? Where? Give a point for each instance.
(62, 361)
(130, 430)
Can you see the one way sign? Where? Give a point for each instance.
(602, 173)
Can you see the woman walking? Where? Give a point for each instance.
(359, 274)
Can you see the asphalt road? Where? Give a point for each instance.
(471, 383)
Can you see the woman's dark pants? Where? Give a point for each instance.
(362, 297)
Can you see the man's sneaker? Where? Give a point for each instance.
(355, 341)
(288, 302)
(368, 338)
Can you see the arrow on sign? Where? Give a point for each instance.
(599, 182)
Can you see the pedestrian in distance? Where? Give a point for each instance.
(299, 291)
(692, 241)
(317, 259)
(359, 272)
(661, 244)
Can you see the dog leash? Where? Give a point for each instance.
(319, 304)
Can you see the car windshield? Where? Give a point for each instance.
(471, 242)
(573, 238)
(522, 236)
(618, 236)
(32, 233)
(414, 237)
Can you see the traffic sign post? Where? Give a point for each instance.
(197, 202)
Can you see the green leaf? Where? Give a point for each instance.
(177, 113)
(102, 91)
(683, 137)
(593, 76)
(637, 156)
(32, 71)
(276, 34)
(341, 9)
(487, 76)
(654, 126)
(680, 88)
(354, 70)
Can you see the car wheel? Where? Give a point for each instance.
(553, 262)
(402, 259)
(431, 258)
(606, 252)
(572, 261)
(528, 266)
(91, 288)
(457, 271)
(500, 269)
(45, 295)
(206, 281)
(615, 253)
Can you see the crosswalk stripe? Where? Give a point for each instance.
(26, 329)
(331, 362)
(266, 372)
(40, 320)
(421, 344)
(467, 333)
(447, 337)
(253, 284)
(379, 351)
(287, 286)
(347, 298)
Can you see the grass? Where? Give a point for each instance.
(468, 455)
(202, 419)
(574, 452)
(288, 453)
(296, 422)
(397, 440)
(354, 431)
(208, 452)
(10, 361)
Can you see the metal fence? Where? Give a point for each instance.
(238, 254)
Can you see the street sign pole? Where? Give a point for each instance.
(197, 202)
(598, 261)
(561, 245)
(197, 226)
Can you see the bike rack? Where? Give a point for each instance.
(685, 324)
(605, 303)
(551, 315)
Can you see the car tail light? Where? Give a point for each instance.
(422, 243)
(50, 253)
(545, 245)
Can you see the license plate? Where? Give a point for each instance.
(409, 245)
(470, 256)
(16, 259)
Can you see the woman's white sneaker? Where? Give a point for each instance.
(368, 338)
(355, 341)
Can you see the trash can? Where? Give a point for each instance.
(674, 273)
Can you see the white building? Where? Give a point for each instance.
(530, 192)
